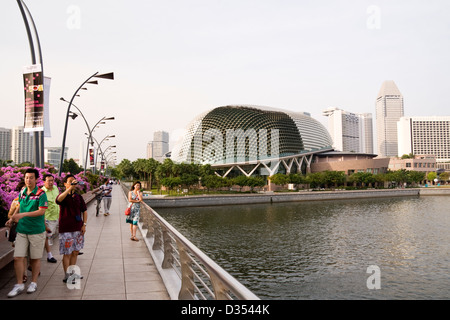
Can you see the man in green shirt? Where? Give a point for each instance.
(51, 214)
(30, 231)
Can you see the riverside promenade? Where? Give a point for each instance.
(113, 266)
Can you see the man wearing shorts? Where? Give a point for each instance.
(72, 223)
(30, 232)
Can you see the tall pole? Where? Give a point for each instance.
(67, 120)
(38, 136)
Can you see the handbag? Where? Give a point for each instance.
(128, 209)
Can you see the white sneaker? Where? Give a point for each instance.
(18, 289)
(32, 287)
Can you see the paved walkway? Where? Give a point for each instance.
(112, 266)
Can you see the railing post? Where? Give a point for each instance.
(151, 224)
(168, 250)
(157, 237)
(187, 276)
(220, 292)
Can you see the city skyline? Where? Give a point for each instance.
(174, 60)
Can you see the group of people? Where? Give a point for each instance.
(37, 215)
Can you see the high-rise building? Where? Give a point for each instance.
(157, 148)
(5, 144)
(425, 135)
(389, 110)
(21, 145)
(52, 155)
(351, 132)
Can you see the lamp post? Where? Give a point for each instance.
(100, 148)
(95, 75)
(38, 137)
(89, 130)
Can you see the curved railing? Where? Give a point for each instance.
(187, 272)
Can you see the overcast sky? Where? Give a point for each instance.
(173, 60)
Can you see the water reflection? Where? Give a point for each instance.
(321, 250)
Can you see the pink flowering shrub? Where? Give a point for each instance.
(10, 177)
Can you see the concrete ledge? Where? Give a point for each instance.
(198, 201)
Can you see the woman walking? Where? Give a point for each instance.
(134, 197)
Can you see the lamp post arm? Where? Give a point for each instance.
(90, 138)
(67, 119)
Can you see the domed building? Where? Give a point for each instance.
(251, 138)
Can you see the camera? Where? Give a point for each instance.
(76, 182)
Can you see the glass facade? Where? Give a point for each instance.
(239, 134)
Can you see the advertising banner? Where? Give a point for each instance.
(34, 98)
(91, 157)
(47, 82)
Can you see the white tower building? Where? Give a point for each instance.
(351, 132)
(389, 110)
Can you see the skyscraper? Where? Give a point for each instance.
(389, 110)
(351, 132)
(157, 148)
(5, 144)
(425, 136)
(21, 145)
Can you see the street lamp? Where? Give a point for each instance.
(100, 148)
(95, 75)
(39, 135)
(74, 115)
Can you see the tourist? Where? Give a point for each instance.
(72, 223)
(134, 197)
(30, 232)
(14, 207)
(51, 214)
(107, 196)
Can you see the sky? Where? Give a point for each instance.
(175, 59)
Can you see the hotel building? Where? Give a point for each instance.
(425, 135)
(351, 132)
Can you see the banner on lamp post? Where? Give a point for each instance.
(34, 98)
(91, 157)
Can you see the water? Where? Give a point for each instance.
(322, 250)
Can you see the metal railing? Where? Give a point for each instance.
(198, 277)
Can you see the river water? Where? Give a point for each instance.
(328, 249)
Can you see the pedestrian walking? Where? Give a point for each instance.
(135, 197)
(30, 232)
(51, 214)
(107, 196)
(72, 223)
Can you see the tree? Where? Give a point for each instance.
(431, 176)
(71, 166)
(255, 182)
(416, 176)
(125, 169)
(151, 165)
(279, 179)
(241, 181)
(215, 182)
